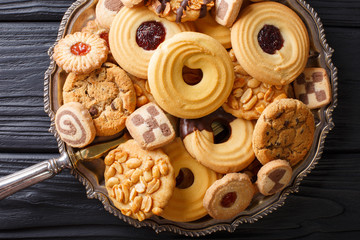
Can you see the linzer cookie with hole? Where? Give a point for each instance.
(192, 181)
(229, 196)
(80, 53)
(285, 130)
(226, 11)
(108, 93)
(106, 11)
(273, 177)
(180, 10)
(312, 87)
(150, 127)
(139, 182)
(134, 35)
(74, 124)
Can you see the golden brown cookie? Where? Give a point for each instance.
(285, 130)
(108, 93)
(250, 97)
(192, 181)
(273, 177)
(80, 52)
(229, 196)
(142, 89)
(74, 124)
(270, 42)
(139, 182)
(180, 10)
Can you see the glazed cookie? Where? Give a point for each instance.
(74, 124)
(195, 51)
(226, 11)
(135, 34)
(181, 10)
(80, 53)
(230, 154)
(229, 196)
(192, 181)
(106, 11)
(250, 97)
(270, 42)
(108, 93)
(312, 87)
(285, 130)
(273, 177)
(150, 127)
(209, 26)
(139, 182)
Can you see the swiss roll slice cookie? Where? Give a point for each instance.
(74, 124)
(134, 35)
(271, 42)
(106, 11)
(226, 11)
(229, 196)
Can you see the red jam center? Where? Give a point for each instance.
(105, 36)
(270, 39)
(80, 49)
(150, 34)
(228, 200)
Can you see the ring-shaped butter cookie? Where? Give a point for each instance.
(195, 51)
(134, 35)
(192, 181)
(271, 42)
(231, 155)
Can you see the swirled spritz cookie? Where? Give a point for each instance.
(139, 182)
(270, 42)
(285, 130)
(195, 51)
(74, 124)
(108, 93)
(229, 196)
(81, 52)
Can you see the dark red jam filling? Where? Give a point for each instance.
(150, 34)
(80, 49)
(270, 39)
(185, 178)
(228, 200)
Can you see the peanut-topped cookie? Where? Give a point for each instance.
(108, 93)
(139, 182)
(284, 130)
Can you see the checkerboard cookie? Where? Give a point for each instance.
(150, 127)
(312, 87)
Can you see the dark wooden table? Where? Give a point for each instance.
(326, 207)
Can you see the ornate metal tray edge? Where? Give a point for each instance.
(231, 226)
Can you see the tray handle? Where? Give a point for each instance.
(29, 176)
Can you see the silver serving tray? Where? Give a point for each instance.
(90, 173)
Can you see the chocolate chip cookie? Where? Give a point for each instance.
(108, 93)
(284, 130)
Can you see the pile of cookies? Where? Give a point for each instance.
(216, 95)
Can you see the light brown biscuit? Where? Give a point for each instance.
(108, 93)
(106, 11)
(74, 124)
(226, 11)
(142, 89)
(312, 87)
(229, 196)
(80, 52)
(285, 130)
(139, 182)
(250, 97)
(150, 127)
(273, 177)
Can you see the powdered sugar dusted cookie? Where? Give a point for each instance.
(226, 11)
(312, 87)
(273, 177)
(74, 124)
(150, 127)
(229, 196)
